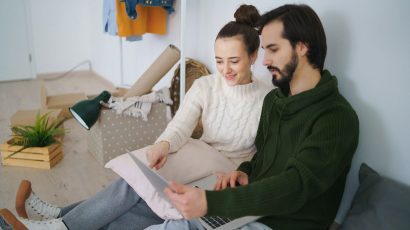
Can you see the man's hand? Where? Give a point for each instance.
(191, 202)
(157, 155)
(230, 179)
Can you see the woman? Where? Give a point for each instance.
(228, 104)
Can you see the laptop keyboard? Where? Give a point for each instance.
(216, 221)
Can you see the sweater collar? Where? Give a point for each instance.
(242, 92)
(292, 104)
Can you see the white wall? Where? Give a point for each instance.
(369, 52)
(60, 33)
(105, 49)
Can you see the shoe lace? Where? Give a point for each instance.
(40, 222)
(43, 208)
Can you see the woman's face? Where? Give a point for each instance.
(232, 60)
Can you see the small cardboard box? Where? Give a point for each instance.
(113, 134)
(62, 101)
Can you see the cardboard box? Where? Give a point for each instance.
(113, 134)
(62, 101)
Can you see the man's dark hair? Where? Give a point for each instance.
(300, 24)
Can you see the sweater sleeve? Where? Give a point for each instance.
(182, 125)
(321, 159)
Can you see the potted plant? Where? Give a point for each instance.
(36, 145)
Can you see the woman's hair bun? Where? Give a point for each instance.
(247, 14)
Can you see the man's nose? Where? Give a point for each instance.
(267, 61)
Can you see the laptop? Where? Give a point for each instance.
(209, 222)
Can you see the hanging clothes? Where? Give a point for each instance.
(151, 19)
(133, 38)
(130, 6)
(110, 17)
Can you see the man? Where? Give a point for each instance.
(306, 138)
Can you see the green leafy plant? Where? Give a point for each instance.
(42, 133)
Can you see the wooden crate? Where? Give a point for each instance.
(36, 157)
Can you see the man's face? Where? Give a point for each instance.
(280, 57)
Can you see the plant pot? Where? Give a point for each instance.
(35, 157)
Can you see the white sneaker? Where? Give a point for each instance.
(19, 223)
(54, 224)
(30, 206)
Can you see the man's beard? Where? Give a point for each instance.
(283, 83)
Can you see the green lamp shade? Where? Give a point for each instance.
(87, 112)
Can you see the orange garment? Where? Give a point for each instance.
(150, 19)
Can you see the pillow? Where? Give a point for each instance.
(125, 167)
(379, 203)
(193, 161)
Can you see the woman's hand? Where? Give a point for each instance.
(157, 155)
(230, 179)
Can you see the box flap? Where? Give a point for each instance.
(64, 100)
(28, 117)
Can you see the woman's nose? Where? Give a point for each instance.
(226, 69)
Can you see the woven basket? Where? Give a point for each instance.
(194, 70)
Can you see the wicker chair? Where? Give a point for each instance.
(194, 70)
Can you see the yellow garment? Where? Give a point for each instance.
(150, 19)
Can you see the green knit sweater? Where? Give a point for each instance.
(305, 144)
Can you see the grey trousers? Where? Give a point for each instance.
(195, 225)
(116, 207)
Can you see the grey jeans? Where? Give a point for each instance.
(116, 207)
(195, 225)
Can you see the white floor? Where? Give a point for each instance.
(78, 175)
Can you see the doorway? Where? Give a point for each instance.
(16, 56)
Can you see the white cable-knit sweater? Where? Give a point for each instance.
(230, 116)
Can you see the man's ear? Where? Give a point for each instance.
(302, 49)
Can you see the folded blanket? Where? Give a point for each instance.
(139, 106)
